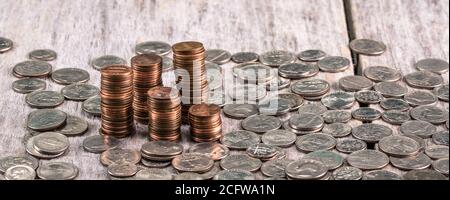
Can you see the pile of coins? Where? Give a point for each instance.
(47, 145)
(147, 70)
(164, 110)
(160, 152)
(189, 63)
(116, 101)
(206, 123)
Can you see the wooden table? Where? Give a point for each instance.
(80, 30)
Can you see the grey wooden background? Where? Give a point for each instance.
(80, 30)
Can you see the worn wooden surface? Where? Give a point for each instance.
(80, 30)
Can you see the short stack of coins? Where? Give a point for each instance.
(164, 107)
(206, 123)
(189, 62)
(147, 70)
(116, 101)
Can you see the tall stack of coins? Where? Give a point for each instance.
(189, 62)
(164, 107)
(116, 101)
(205, 121)
(147, 70)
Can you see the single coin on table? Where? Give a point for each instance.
(311, 55)
(10, 161)
(261, 151)
(218, 56)
(92, 105)
(441, 166)
(441, 138)
(242, 162)
(5, 44)
(28, 85)
(79, 91)
(99, 143)
(338, 100)
(419, 161)
(277, 58)
(334, 64)
(336, 116)
(298, 70)
(107, 60)
(32, 68)
(313, 108)
(30, 148)
(67, 76)
(306, 169)
(355, 83)
(234, 174)
(214, 150)
(330, 159)
(419, 128)
(420, 98)
(337, 130)
(424, 80)
(57, 171)
(368, 159)
(240, 111)
(347, 173)
(432, 65)
(74, 126)
(240, 139)
(430, 114)
(122, 170)
(119, 155)
(245, 57)
(279, 138)
(437, 151)
(275, 168)
(381, 175)
(349, 145)
(368, 97)
(367, 47)
(51, 143)
(371, 133)
(155, 47)
(43, 54)
(295, 100)
(394, 104)
(153, 174)
(395, 117)
(399, 146)
(315, 142)
(366, 114)
(46, 119)
(391, 89)
(44, 99)
(382, 74)
(193, 162)
(424, 174)
(274, 107)
(20, 172)
(261, 123)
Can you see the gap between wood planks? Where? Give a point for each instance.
(351, 34)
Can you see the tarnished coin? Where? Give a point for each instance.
(315, 142)
(430, 114)
(337, 130)
(5, 44)
(381, 175)
(261, 151)
(310, 87)
(275, 168)
(371, 133)
(419, 128)
(43, 54)
(67, 76)
(32, 151)
(155, 164)
(214, 150)
(338, 100)
(311, 55)
(336, 116)
(382, 74)
(367, 47)
(44, 99)
(274, 107)
(153, 174)
(441, 138)
(46, 119)
(395, 104)
(11, 161)
(20, 172)
(355, 83)
(441, 166)
(419, 161)
(424, 79)
(391, 89)
(437, 151)
(306, 169)
(74, 126)
(306, 122)
(79, 91)
(279, 138)
(92, 105)
(234, 174)
(214, 76)
(399, 146)
(295, 101)
(368, 97)
(155, 47)
(424, 174)
(330, 159)
(298, 70)
(254, 72)
(420, 97)
(368, 159)
(432, 65)
(32, 68)
(334, 64)
(347, 173)
(193, 162)
(240, 111)
(28, 85)
(395, 117)
(278, 83)
(107, 60)
(245, 57)
(51, 143)
(122, 170)
(313, 108)
(350, 145)
(188, 176)
(240, 139)
(442, 92)
(99, 143)
(248, 93)
(277, 58)
(242, 162)
(261, 123)
(57, 171)
(119, 155)
(366, 114)
(218, 56)
(162, 148)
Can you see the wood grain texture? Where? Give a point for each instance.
(80, 30)
(412, 30)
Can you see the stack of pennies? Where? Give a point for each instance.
(147, 70)
(189, 63)
(116, 101)
(206, 123)
(164, 110)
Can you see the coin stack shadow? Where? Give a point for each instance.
(189, 62)
(147, 70)
(206, 123)
(164, 107)
(116, 101)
